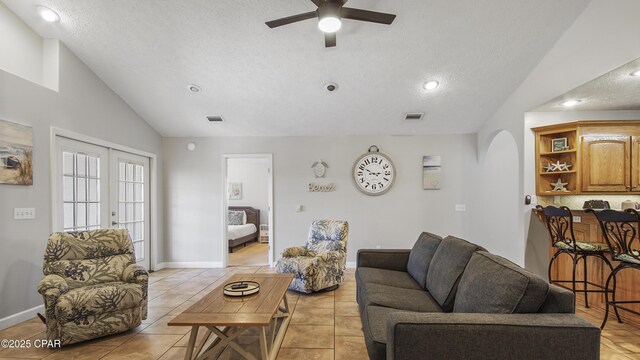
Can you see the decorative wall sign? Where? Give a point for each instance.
(16, 154)
(559, 144)
(320, 168)
(313, 187)
(431, 171)
(559, 185)
(235, 191)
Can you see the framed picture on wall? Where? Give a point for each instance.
(559, 144)
(16, 154)
(235, 191)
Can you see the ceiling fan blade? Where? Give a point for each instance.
(366, 15)
(329, 39)
(291, 19)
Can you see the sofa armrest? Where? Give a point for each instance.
(296, 251)
(52, 286)
(135, 273)
(389, 259)
(491, 336)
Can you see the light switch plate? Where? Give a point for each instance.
(24, 213)
(461, 207)
(577, 219)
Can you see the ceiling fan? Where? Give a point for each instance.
(329, 14)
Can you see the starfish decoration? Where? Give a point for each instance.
(549, 167)
(559, 185)
(564, 167)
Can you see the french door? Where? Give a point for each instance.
(98, 187)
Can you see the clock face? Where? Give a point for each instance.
(373, 173)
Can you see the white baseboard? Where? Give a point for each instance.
(351, 264)
(20, 317)
(189, 265)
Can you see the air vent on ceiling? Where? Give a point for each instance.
(215, 118)
(413, 116)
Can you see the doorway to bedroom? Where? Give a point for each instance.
(248, 200)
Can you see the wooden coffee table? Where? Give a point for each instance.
(228, 317)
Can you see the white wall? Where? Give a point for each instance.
(603, 38)
(254, 176)
(85, 105)
(393, 220)
(20, 47)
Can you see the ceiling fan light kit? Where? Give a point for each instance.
(330, 14)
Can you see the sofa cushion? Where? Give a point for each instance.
(493, 284)
(398, 298)
(445, 269)
(386, 277)
(421, 255)
(86, 302)
(558, 300)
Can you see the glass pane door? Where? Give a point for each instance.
(81, 184)
(130, 200)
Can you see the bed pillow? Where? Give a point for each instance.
(236, 217)
(244, 217)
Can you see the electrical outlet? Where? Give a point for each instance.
(577, 219)
(461, 207)
(378, 247)
(24, 213)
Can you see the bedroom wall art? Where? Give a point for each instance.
(16, 154)
(431, 172)
(235, 191)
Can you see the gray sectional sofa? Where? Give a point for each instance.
(451, 299)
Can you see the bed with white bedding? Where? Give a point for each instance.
(241, 232)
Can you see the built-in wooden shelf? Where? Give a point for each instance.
(557, 172)
(558, 152)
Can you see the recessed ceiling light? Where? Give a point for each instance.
(194, 88)
(47, 14)
(570, 103)
(430, 85)
(636, 73)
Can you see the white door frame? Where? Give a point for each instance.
(153, 181)
(224, 244)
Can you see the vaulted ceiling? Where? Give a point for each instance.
(269, 82)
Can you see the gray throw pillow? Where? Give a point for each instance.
(493, 284)
(446, 268)
(235, 217)
(421, 255)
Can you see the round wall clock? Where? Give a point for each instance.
(373, 172)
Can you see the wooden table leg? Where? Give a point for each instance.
(192, 343)
(264, 350)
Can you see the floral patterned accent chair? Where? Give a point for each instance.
(321, 262)
(92, 285)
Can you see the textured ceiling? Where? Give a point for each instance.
(615, 90)
(268, 82)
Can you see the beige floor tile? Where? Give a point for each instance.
(81, 352)
(316, 301)
(154, 314)
(144, 347)
(117, 339)
(346, 295)
(169, 300)
(351, 348)
(306, 354)
(23, 330)
(160, 327)
(347, 309)
(306, 315)
(348, 326)
(309, 336)
(175, 353)
(348, 286)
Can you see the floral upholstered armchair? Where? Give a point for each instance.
(320, 264)
(92, 285)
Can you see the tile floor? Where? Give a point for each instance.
(253, 254)
(323, 326)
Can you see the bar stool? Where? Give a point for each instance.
(560, 225)
(620, 231)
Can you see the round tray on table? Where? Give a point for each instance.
(241, 288)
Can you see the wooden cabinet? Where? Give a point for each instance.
(602, 157)
(606, 163)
